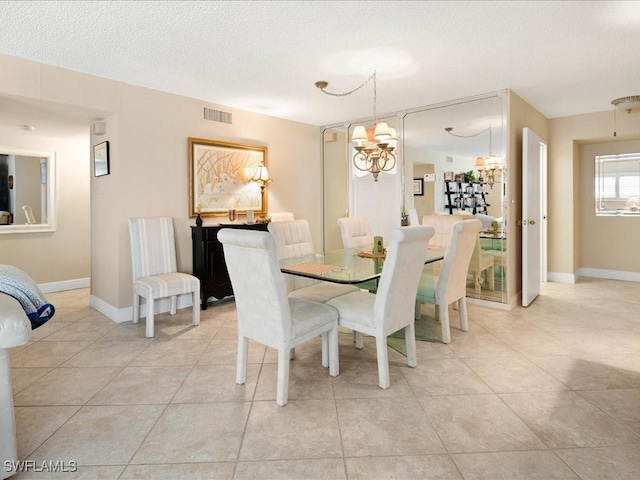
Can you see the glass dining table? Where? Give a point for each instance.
(348, 266)
(363, 269)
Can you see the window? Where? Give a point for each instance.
(618, 184)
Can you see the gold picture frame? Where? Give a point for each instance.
(220, 178)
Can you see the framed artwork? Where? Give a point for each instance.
(101, 159)
(417, 186)
(220, 178)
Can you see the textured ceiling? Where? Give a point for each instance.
(564, 57)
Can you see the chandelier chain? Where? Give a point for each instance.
(450, 132)
(375, 94)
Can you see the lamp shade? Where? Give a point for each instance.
(480, 162)
(382, 131)
(261, 175)
(359, 134)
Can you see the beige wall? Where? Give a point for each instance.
(148, 133)
(424, 204)
(566, 224)
(520, 115)
(63, 255)
(607, 242)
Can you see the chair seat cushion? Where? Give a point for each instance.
(322, 292)
(309, 316)
(355, 308)
(166, 285)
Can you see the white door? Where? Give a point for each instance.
(533, 216)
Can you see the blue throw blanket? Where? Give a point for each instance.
(17, 284)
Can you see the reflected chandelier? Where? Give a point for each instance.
(486, 166)
(375, 145)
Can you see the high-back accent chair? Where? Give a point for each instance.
(265, 313)
(28, 213)
(293, 240)
(355, 232)
(451, 284)
(392, 307)
(155, 271)
(282, 216)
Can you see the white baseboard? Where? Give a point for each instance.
(65, 285)
(561, 277)
(609, 274)
(488, 303)
(120, 315)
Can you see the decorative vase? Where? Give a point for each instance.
(198, 220)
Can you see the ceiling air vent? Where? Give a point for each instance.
(217, 115)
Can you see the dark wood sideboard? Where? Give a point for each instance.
(208, 260)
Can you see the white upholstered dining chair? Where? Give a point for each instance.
(293, 240)
(451, 283)
(265, 313)
(282, 216)
(392, 307)
(155, 271)
(356, 232)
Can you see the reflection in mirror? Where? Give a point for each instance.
(618, 184)
(27, 191)
(447, 145)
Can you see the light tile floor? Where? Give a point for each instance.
(547, 392)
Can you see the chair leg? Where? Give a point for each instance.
(241, 363)
(325, 349)
(136, 308)
(477, 279)
(410, 344)
(383, 362)
(150, 315)
(464, 323)
(174, 304)
(359, 339)
(334, 359)
(196, 307)
(417, 315)
(444, 320)
(492, 278)
(282, 387)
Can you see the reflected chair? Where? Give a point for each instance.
(282, 216)
(413, 217)
(28, 213)
(482, 264)
(155, 272)
(264, 312)
(451, 283)
(356, 232)
(392, 307)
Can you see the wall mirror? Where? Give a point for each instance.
(454, 149)
(427, 152)
(27, 191)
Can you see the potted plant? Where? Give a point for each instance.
(469, 176)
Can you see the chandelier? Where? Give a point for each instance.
(488, 167)
(375, 145)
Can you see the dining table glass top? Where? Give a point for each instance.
(348, 266)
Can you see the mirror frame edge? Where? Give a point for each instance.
(52, 217)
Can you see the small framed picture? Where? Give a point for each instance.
(101, 159)
(417, 186)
